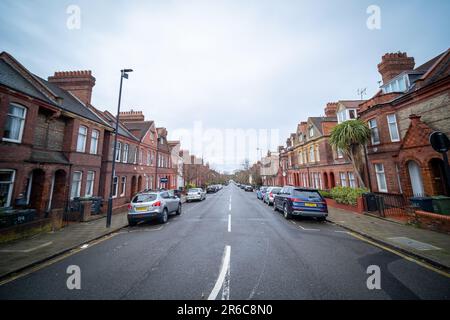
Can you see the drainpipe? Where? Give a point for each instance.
(367, 168)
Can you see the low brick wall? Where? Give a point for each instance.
(430, 221)
(359, 208)
(25, 230)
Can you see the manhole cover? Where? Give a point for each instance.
(421, 246)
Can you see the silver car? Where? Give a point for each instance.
(270, 194)
(153, 205)
(195, 194)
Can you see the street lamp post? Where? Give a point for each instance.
(124, 74)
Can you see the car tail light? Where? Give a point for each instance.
(130, 206)
(296, 200)
(157, 204)
(271, 195)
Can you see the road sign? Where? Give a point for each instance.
(439, 141)
(164, 180)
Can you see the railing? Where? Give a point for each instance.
(391, 204)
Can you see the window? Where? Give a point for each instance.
(311, 154)
(351, 180)
(81, 141)
(374, 134)
(118, 150)
(381, 177)
(135, 155)
(140, 156)
(147, 183)
(339, 153)
(90, 179)
(317, 153)
(94, 141)
(343, 177)
(126, 148)
(6, 187)
(123, 184)
(311, 131)
(351, 113)
(148, 158)
(75, 189)
(115, 186)
(393, 129)
(15, 121)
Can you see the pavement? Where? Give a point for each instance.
(231, 246)
(430, 246)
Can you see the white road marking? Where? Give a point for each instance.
(229, 223)
(84, 246)
(224, 273)
(306, 229)
(339, 231)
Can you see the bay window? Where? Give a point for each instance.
(75, 189)
(6, 187)
(90, 179)
(381, 177)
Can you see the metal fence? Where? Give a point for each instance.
(388, 204)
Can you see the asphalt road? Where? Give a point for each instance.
(255, 254)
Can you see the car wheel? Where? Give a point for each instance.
(321, 219)
(286, 213)
(179, 209)
(274, 207)
(164, 217)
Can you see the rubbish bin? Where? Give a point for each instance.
(441, 204)
(423, 203)
(370, 200)
(96, 205)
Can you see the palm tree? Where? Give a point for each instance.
(350, 137)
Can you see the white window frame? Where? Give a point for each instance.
(90, 184)
(123, 186)
(343, 178)
(351, 180)
(118, 150)
(395, 125)
(311, 131)
(149, 158)
(126, 148)
(78, 193)
(11, 185)
(380, 174)
(22, 124)
(375, 127)
(94, 141)
(115, 186)
(82, 148)
(312, 154)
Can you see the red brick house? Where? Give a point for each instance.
(412, 103)
(309, 160)
(51, 142)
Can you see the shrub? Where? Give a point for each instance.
(347, 195)
(325, 193)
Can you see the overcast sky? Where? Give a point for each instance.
(223, 64)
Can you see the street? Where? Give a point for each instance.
(231, 246)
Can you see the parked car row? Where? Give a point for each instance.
(214, 188)
(246, 187)
(294, 201)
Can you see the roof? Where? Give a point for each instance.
(122, 130)
(13, 79)
(317, 121)
(351, 103)
(141, 126)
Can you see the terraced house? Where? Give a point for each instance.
(308, 160)
(410, 105)
(52, 142)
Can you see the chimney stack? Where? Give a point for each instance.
(79, 83)
(392, 64)
(131, 116)
(331, 108)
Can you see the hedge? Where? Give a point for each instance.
(347, 195)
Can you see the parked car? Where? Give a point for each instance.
(212, 189)
(196, 194)
(260, 191)
(148, 206)
(270, 194)
(302, 202)
(248, 188)
(263, 192)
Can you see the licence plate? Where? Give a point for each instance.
(142, 209)
(310, 205)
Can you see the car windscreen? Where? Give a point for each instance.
(276, 190)
(307, 195)
(263, 188)
(144, 198)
